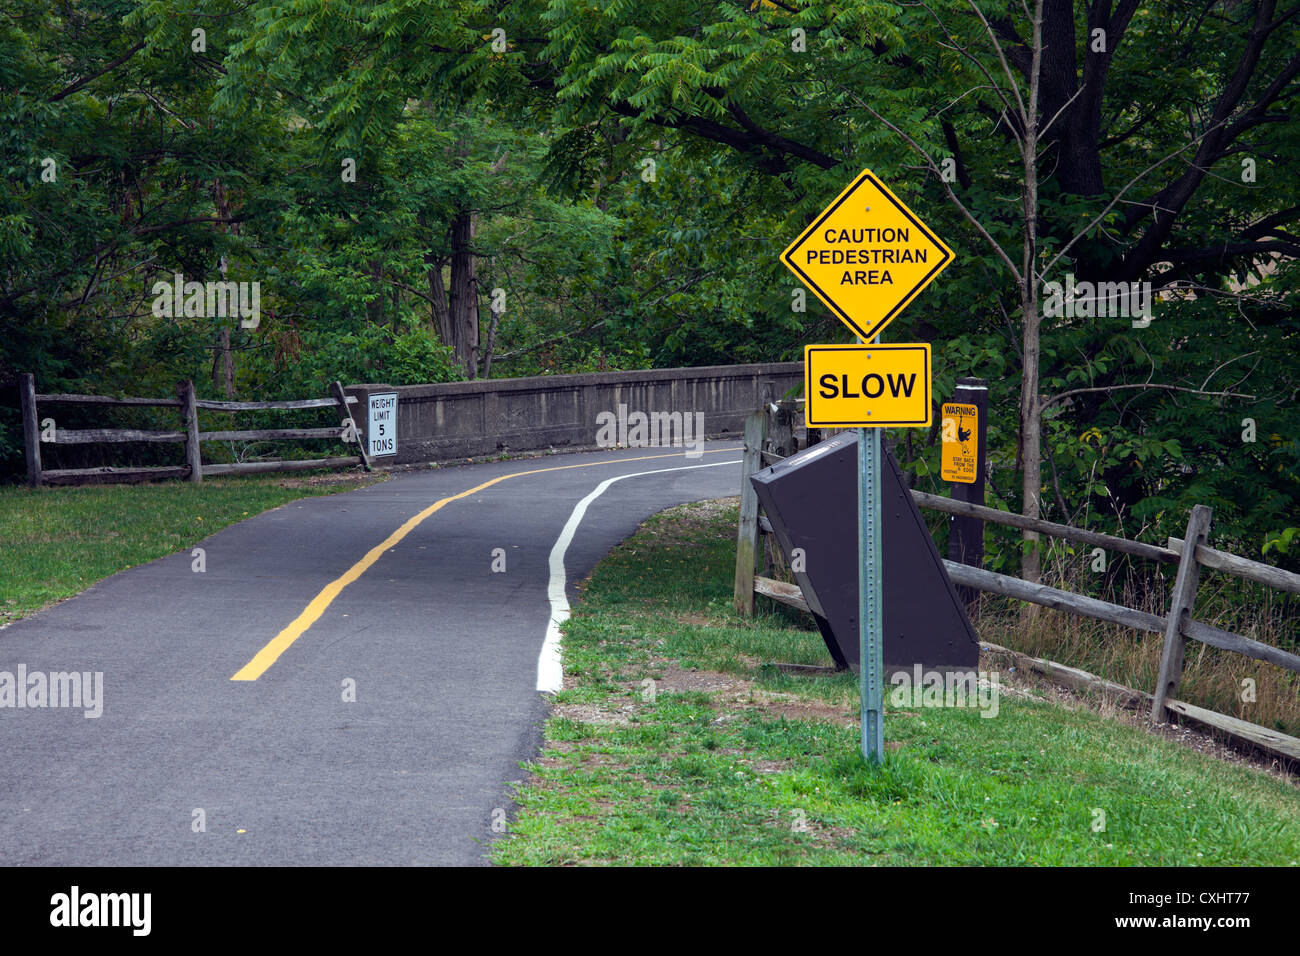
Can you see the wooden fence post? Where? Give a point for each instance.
(747, 536)
(342, 398)
(31, 428)
(193, 456)
(1180, 612)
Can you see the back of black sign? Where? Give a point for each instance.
(811, 501)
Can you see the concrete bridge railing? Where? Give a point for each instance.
(470, 419)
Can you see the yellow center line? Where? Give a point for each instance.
(311, 614)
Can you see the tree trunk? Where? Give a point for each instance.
(1031, 435)
(1031, 438)
(223, 365)
(464, 293)
(223, 362)
(439, 314)
(1070, 147)
(491, 343)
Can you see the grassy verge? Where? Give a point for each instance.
(676, 741)
(57, 542)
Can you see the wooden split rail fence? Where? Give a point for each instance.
(1177, 627)
(188, 434)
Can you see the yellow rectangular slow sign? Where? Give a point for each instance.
(867, 386)
(960, 443)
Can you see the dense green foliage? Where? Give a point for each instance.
(629, 174)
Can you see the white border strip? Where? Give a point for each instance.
(550, 667)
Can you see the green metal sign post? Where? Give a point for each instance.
(870, 609)
(871, 618)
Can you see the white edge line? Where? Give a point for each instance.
(550, 667)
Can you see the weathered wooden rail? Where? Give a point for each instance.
(190, 435)
(1177, 625)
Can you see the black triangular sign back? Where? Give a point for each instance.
(811, 501)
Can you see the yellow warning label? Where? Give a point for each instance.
(867, 386)
(959, 457)
(867, 256)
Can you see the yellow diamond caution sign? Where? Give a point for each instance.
(867, 256)
(959, 453)
(867, 386)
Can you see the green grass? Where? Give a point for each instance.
(56, 542)
(738, 762)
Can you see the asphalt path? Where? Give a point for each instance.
(187, 766)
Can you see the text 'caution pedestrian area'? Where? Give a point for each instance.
(867, 256)
(875, 386)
